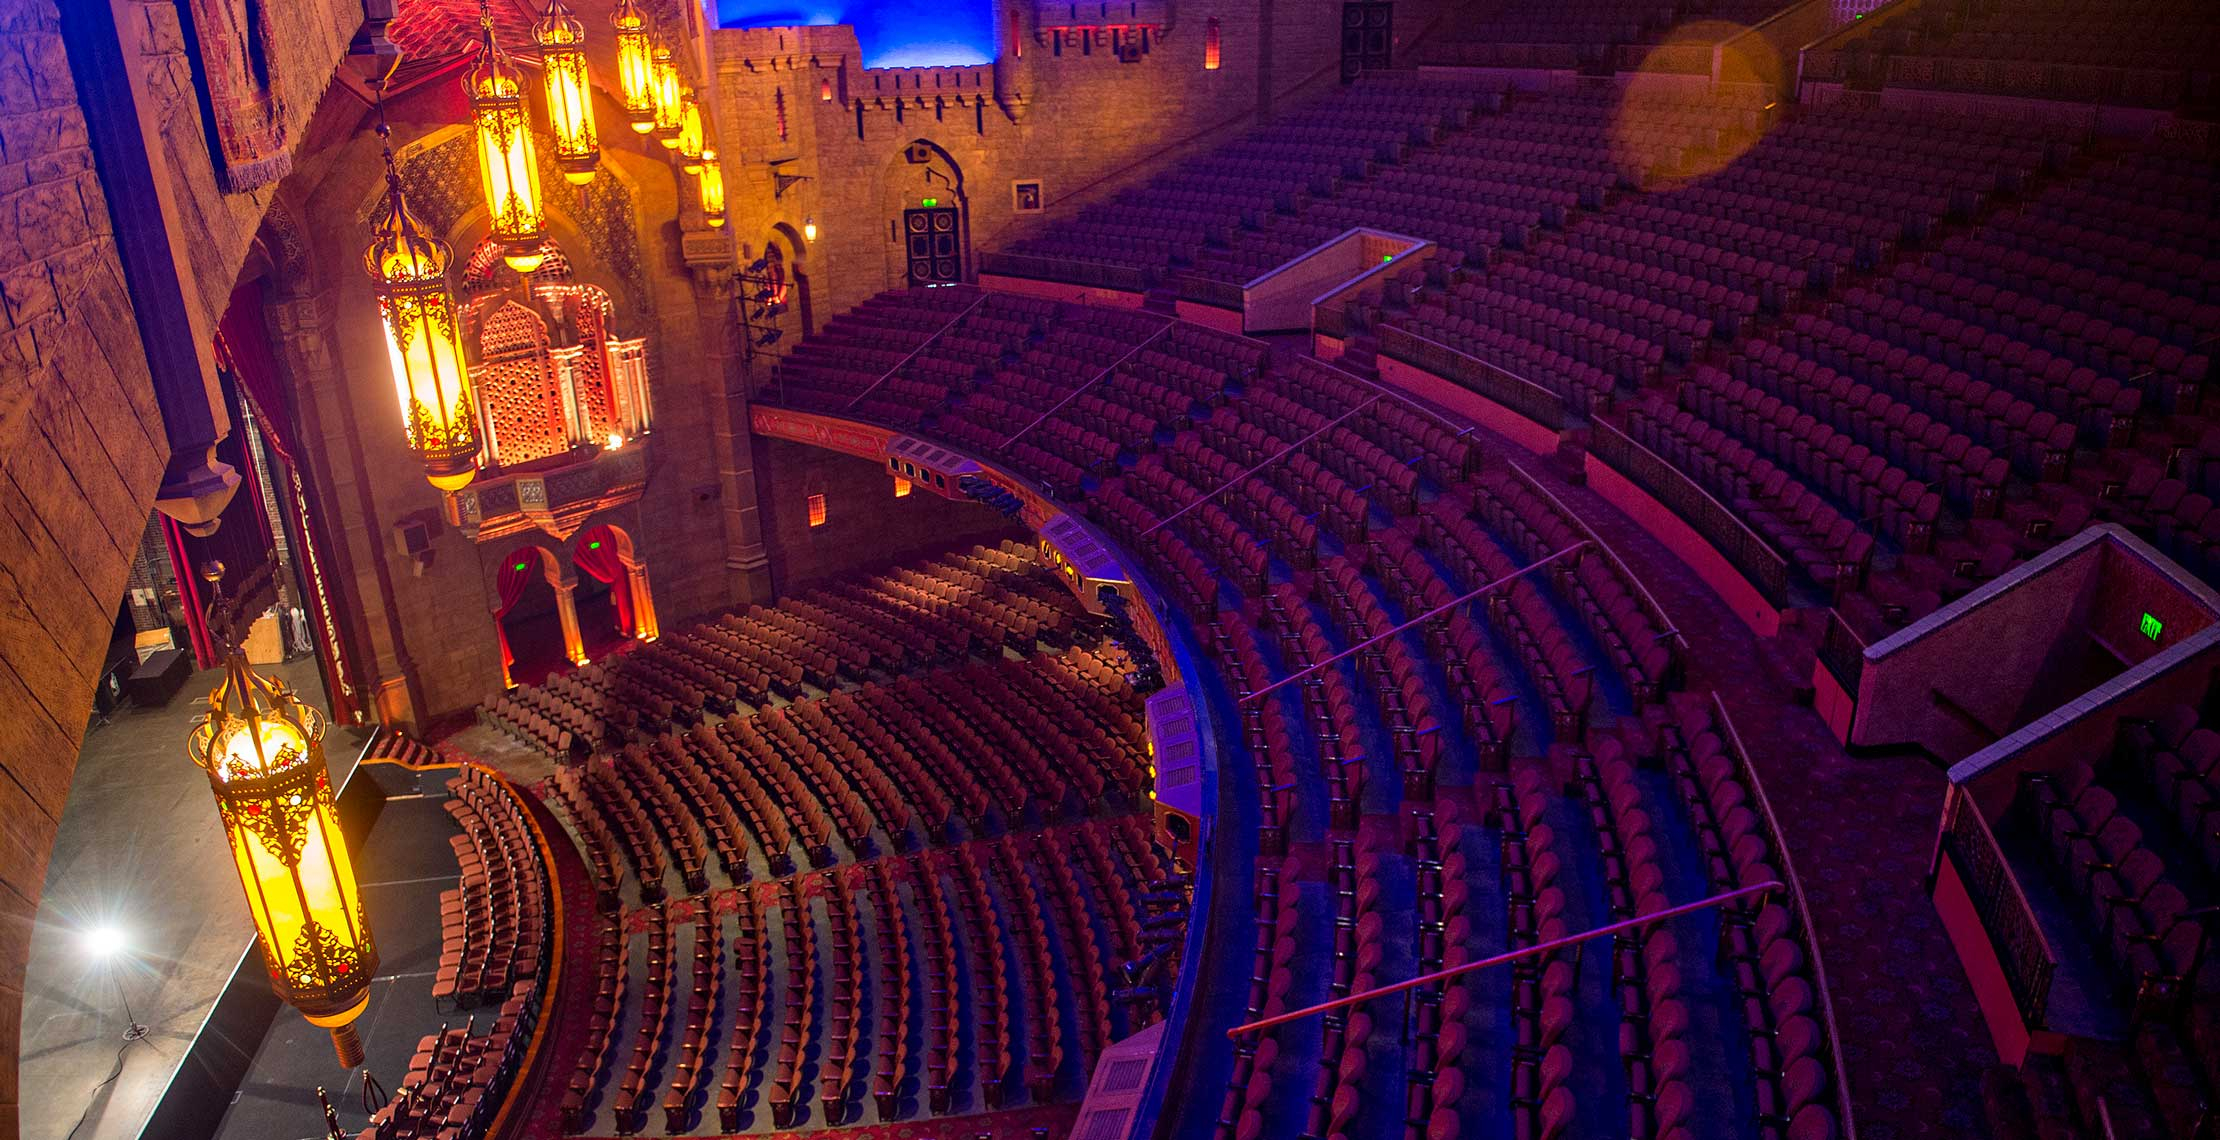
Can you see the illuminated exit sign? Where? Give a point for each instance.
(932, 201)
(2152, 627)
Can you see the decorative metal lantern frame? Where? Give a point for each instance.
(691, 138)
(712, 177)
(423, 334)
(262, 748)
(508, 167)
(669, 98)
(635, 65)
(570, 96)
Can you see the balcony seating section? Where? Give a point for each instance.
(1304, 153)
(2126, 838)
(494, 925)
(2145, 52)
(1498, 183)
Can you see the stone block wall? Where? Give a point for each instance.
(82, 450)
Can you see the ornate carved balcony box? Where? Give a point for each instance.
(555, 496)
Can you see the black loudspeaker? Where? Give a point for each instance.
(158, 678)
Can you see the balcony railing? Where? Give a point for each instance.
(1514, 392)
(2029, 962)
(1843, 653)
(1092, 274)
(1750, 555)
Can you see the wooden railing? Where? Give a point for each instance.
(1068, 271)
(1209, 291)
(1751, 556)
(2029, 962)
(1843, 653)
(1514, 392)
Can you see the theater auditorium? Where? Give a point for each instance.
(1109, 570)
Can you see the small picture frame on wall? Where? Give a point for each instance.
(1026, 196)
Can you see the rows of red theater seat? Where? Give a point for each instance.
(2121, 838)
(831, 1008)
(494, 924)
(936, 704)
(494, 950)
(958, 604)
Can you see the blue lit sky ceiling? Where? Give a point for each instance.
(894, 33)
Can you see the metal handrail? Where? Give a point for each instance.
(922, 346)
(1538, 948)
(1429, 615)
(1748, 773)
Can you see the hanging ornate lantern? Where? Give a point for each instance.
(635, 65)
(690, 140)
(712, 176)
(570, 92)
(669, 104)
(809, 229)
(424, 338)
(508, 168)
(262, 749)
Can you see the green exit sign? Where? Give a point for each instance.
(2152, 627)
(932, 201)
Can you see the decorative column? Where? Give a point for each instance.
(566, 608)
(747, 564)
(644, 625)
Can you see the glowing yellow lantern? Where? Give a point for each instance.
(570, 92)
(809, 229)
(712, 175)
(690, 140)
(262, 749)
(508, 168)
(635, 65)
(669, 105)
(424, 339)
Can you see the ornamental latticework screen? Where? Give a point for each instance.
(551, 373)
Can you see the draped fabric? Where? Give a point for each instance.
(188, 595)
(596, 554)
(515, 577)
(243, 348)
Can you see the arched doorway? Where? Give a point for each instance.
(929, 217)
(792, 250)
(616, 603)
(535, 617)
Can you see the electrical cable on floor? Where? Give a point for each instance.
(104, 1083)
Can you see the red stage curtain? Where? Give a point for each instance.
(515, 576)
(243, 347)
(596, 554)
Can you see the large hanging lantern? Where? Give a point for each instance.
(262, 749)
(424, 339)
(690, 137)
(712, 176)
(669, 101)
(570, 93)
(635, 65)
(508, 170)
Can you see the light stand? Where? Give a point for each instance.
(106, 944)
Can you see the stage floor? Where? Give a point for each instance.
(139, 847)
